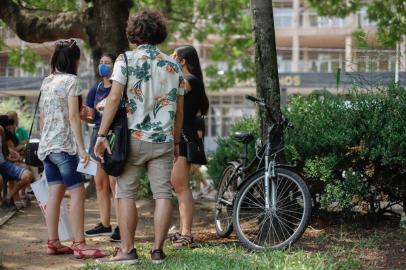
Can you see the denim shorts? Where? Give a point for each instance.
(60, 168)
(11, 171)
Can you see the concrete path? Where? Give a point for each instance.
(23, 237)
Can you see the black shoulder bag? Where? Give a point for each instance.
(31, 148)
(118, 137)
(195, 151)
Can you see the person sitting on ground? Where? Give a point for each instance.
(18, 142)
(96, 100)
(10, 170)
(17, 150)
(20, 132)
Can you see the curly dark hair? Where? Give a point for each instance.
(147, 27)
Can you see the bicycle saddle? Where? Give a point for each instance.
(243, 136)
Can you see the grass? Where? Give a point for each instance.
(209, 256)
(370, 242)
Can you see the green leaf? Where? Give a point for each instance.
(24, 58)
(172, 115)
(172, 95)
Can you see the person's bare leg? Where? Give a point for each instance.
(112, 180)
(26, 179)
(55, 196)
(77, 212)
(77, 219)
(127, 221)
(162, 221)
(103, 196)
(180, 182)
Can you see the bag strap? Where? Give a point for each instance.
(126, 83)
(35, 113)
(97, 89)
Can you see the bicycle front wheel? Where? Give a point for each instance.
(279, 225)
(223, 212)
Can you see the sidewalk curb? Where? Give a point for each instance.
(7, 217)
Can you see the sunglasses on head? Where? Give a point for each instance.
(68, 42)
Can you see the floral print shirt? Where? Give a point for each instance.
(154, 82)
(56, 134)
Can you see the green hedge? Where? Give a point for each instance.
(350, 148)
(354, 145)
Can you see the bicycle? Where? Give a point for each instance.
(269, 206)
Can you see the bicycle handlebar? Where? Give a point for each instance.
(259, 101)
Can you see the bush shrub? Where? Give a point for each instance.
(353, 145)
(350, 148)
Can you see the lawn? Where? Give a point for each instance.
(359, 245)
(223, 256)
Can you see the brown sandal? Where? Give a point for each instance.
(183, 241)
(175, 237)
(78, 252)
(54, 249)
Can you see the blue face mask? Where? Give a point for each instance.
(104, 70)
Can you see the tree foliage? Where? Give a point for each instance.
(389, 15)
(231, 53)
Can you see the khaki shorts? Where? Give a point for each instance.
(157, 160)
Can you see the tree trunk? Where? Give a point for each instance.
(101, 25)
(267, 79)
(107, 28)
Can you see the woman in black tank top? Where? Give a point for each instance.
(196, 103)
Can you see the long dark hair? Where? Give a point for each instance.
(65, 57)
(191, 57)
(4, 122)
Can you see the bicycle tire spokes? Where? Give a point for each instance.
(273, 226)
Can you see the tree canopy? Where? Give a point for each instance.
(226, 24)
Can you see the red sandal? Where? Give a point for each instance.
(60, 249)
(78, 252)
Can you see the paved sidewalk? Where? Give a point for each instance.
(23, 237)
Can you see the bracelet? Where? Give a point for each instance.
(102, 135)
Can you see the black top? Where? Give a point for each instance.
(191, 105)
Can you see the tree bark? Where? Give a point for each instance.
(107, 27)
(267, 79)
(37, 29)
(101, 25)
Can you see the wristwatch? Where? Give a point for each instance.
(101, 135)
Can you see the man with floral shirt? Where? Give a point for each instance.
(155, 115)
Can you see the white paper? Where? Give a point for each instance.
(90, 168)
(40, 189)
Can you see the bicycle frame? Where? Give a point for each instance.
(269, 171)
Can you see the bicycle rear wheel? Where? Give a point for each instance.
(223, 214)
(277, 227)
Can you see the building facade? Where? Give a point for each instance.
(310, 50)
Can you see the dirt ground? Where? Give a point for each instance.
(380, 245)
